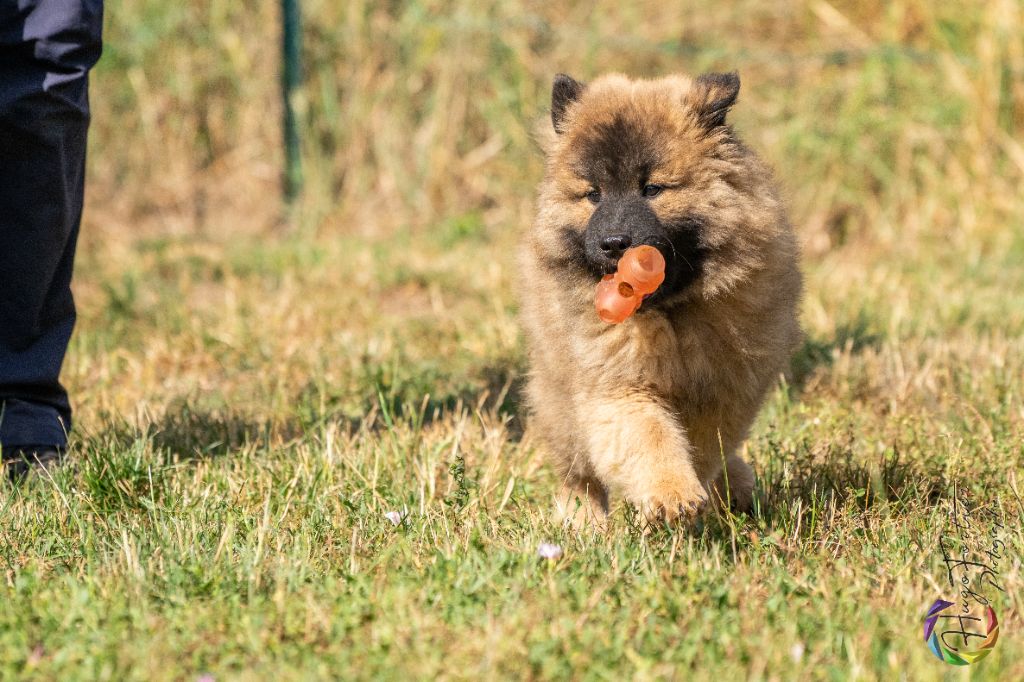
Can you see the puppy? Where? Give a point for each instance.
(655, 408)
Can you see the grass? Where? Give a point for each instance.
(255, 389)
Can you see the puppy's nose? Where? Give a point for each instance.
(614, 245)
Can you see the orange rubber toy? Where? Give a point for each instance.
(641, 271)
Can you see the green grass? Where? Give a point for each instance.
(253, 394)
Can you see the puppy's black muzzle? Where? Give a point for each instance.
(619, 223)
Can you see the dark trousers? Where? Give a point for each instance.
(46, 50)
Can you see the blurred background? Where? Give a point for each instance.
(418, 111)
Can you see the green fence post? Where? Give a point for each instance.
(291, 77)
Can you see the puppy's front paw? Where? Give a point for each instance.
(672, 499)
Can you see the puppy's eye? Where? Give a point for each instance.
(594, 196)
(652, 190)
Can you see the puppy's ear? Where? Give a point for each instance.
(564, 91)
(712, 95)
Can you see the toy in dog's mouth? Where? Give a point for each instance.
(640, 272)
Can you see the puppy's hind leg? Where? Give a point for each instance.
(582, 502)
(734, 487)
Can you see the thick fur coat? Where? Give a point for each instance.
(654, 407)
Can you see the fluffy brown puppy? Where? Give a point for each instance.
(653, 407)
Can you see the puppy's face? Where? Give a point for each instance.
(642, 162)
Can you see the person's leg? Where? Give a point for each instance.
(46, 50)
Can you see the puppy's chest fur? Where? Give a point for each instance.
(671, 355)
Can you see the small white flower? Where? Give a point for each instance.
(549, 551)
(396, 517)
(796, 652)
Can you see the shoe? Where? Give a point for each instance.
(19, 460)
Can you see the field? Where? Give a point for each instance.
(256, 387)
